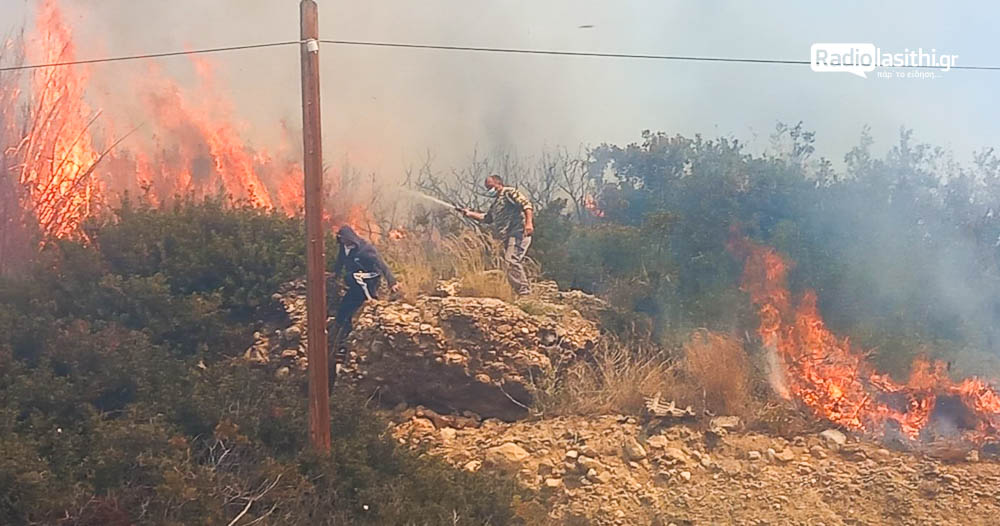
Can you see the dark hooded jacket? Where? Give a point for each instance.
(362, 258)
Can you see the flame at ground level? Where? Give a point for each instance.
(835, 380)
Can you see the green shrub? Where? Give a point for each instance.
(112, 413)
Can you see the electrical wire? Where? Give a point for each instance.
(148, 55)
(521, 51)
(604, 54)
(518, 51)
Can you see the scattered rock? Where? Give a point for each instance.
(586, 462)
(633, 449)
(282, 372)
(421, 426)
(853, 452)
(929, 488)
(658, 442)
(881, 455)
(675, 455)
(730, 467)
(834, 438)
(578, 465)
(448, 434)
(949, 478)
(784, 456)
(553, 483)
(506, 454)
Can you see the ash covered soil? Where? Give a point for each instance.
(601, 470)
(453, 375)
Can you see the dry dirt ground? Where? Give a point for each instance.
(446, 352)
(612, 470)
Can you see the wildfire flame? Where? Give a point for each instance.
(590, 204)
(57, 155)
(191, 143)
(834, 379)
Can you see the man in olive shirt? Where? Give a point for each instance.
(512, 218)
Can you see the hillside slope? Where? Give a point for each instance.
(456, 376)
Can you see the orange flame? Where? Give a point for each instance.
(834, 379)
(590, 204)
(56, 157)
(191, 143)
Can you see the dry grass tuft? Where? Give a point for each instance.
(721, 371)
(473, 258)
(715, 374)
(617, 379)
(477, 260)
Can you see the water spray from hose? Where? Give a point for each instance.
(434, 199)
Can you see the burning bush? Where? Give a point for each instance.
(835, 379)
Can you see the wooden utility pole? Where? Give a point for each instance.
(319, 388)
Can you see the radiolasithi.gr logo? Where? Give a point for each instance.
(861, 59)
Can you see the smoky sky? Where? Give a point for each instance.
(385, 108)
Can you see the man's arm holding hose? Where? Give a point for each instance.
(478, 216)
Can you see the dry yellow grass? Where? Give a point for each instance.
(617, 379)
(714, 374)
(478, 262)
(473, 258)
(720, 370)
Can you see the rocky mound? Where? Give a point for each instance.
(452, 354)
(602, 470)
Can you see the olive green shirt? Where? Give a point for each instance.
(507, 212)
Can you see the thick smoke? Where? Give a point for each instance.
(383, 108)
(918, 234)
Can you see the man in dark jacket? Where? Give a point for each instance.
(362, 269)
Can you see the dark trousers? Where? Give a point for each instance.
(343, 321)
